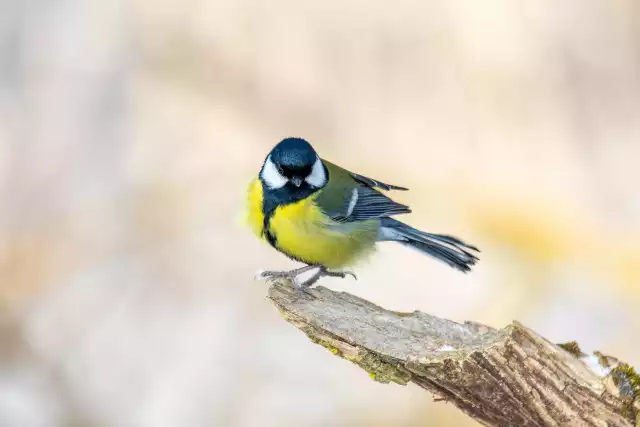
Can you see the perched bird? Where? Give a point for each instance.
(329, 218)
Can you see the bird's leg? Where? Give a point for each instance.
(311, 280)
(305, 285)
(323, 272)
(301, 287)
(291, 274)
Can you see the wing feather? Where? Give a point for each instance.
(373, 183)
(349, 197)
(367, 203)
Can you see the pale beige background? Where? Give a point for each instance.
(128, 133)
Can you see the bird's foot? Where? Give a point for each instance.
(292, 276)
(271, 276)
(323, 272)
(340, 274)
(302, 286)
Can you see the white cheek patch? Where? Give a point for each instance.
(271, 176)
(317, 178)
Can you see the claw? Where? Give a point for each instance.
(340, 274)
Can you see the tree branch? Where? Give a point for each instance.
(506, 377)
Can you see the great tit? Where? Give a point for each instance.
(329, 218)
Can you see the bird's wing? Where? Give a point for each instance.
(361, 179)
(346, 198)
(366, 203)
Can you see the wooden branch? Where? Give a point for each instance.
(507, 377)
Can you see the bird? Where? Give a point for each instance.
(329, 218)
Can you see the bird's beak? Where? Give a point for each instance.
(297, 181)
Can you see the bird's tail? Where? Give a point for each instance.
(446, 249)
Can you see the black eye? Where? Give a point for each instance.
(280, 170)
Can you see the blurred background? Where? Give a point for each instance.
(128, 134)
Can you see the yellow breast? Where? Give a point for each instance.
(255, 217)
(303, 232)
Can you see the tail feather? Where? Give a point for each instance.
(446, 249)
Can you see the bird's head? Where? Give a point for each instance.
(293, 162)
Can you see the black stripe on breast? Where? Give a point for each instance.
(273, 198)
(268, 209)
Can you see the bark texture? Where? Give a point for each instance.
(506, 377)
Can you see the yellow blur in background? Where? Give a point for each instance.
(128, 134)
